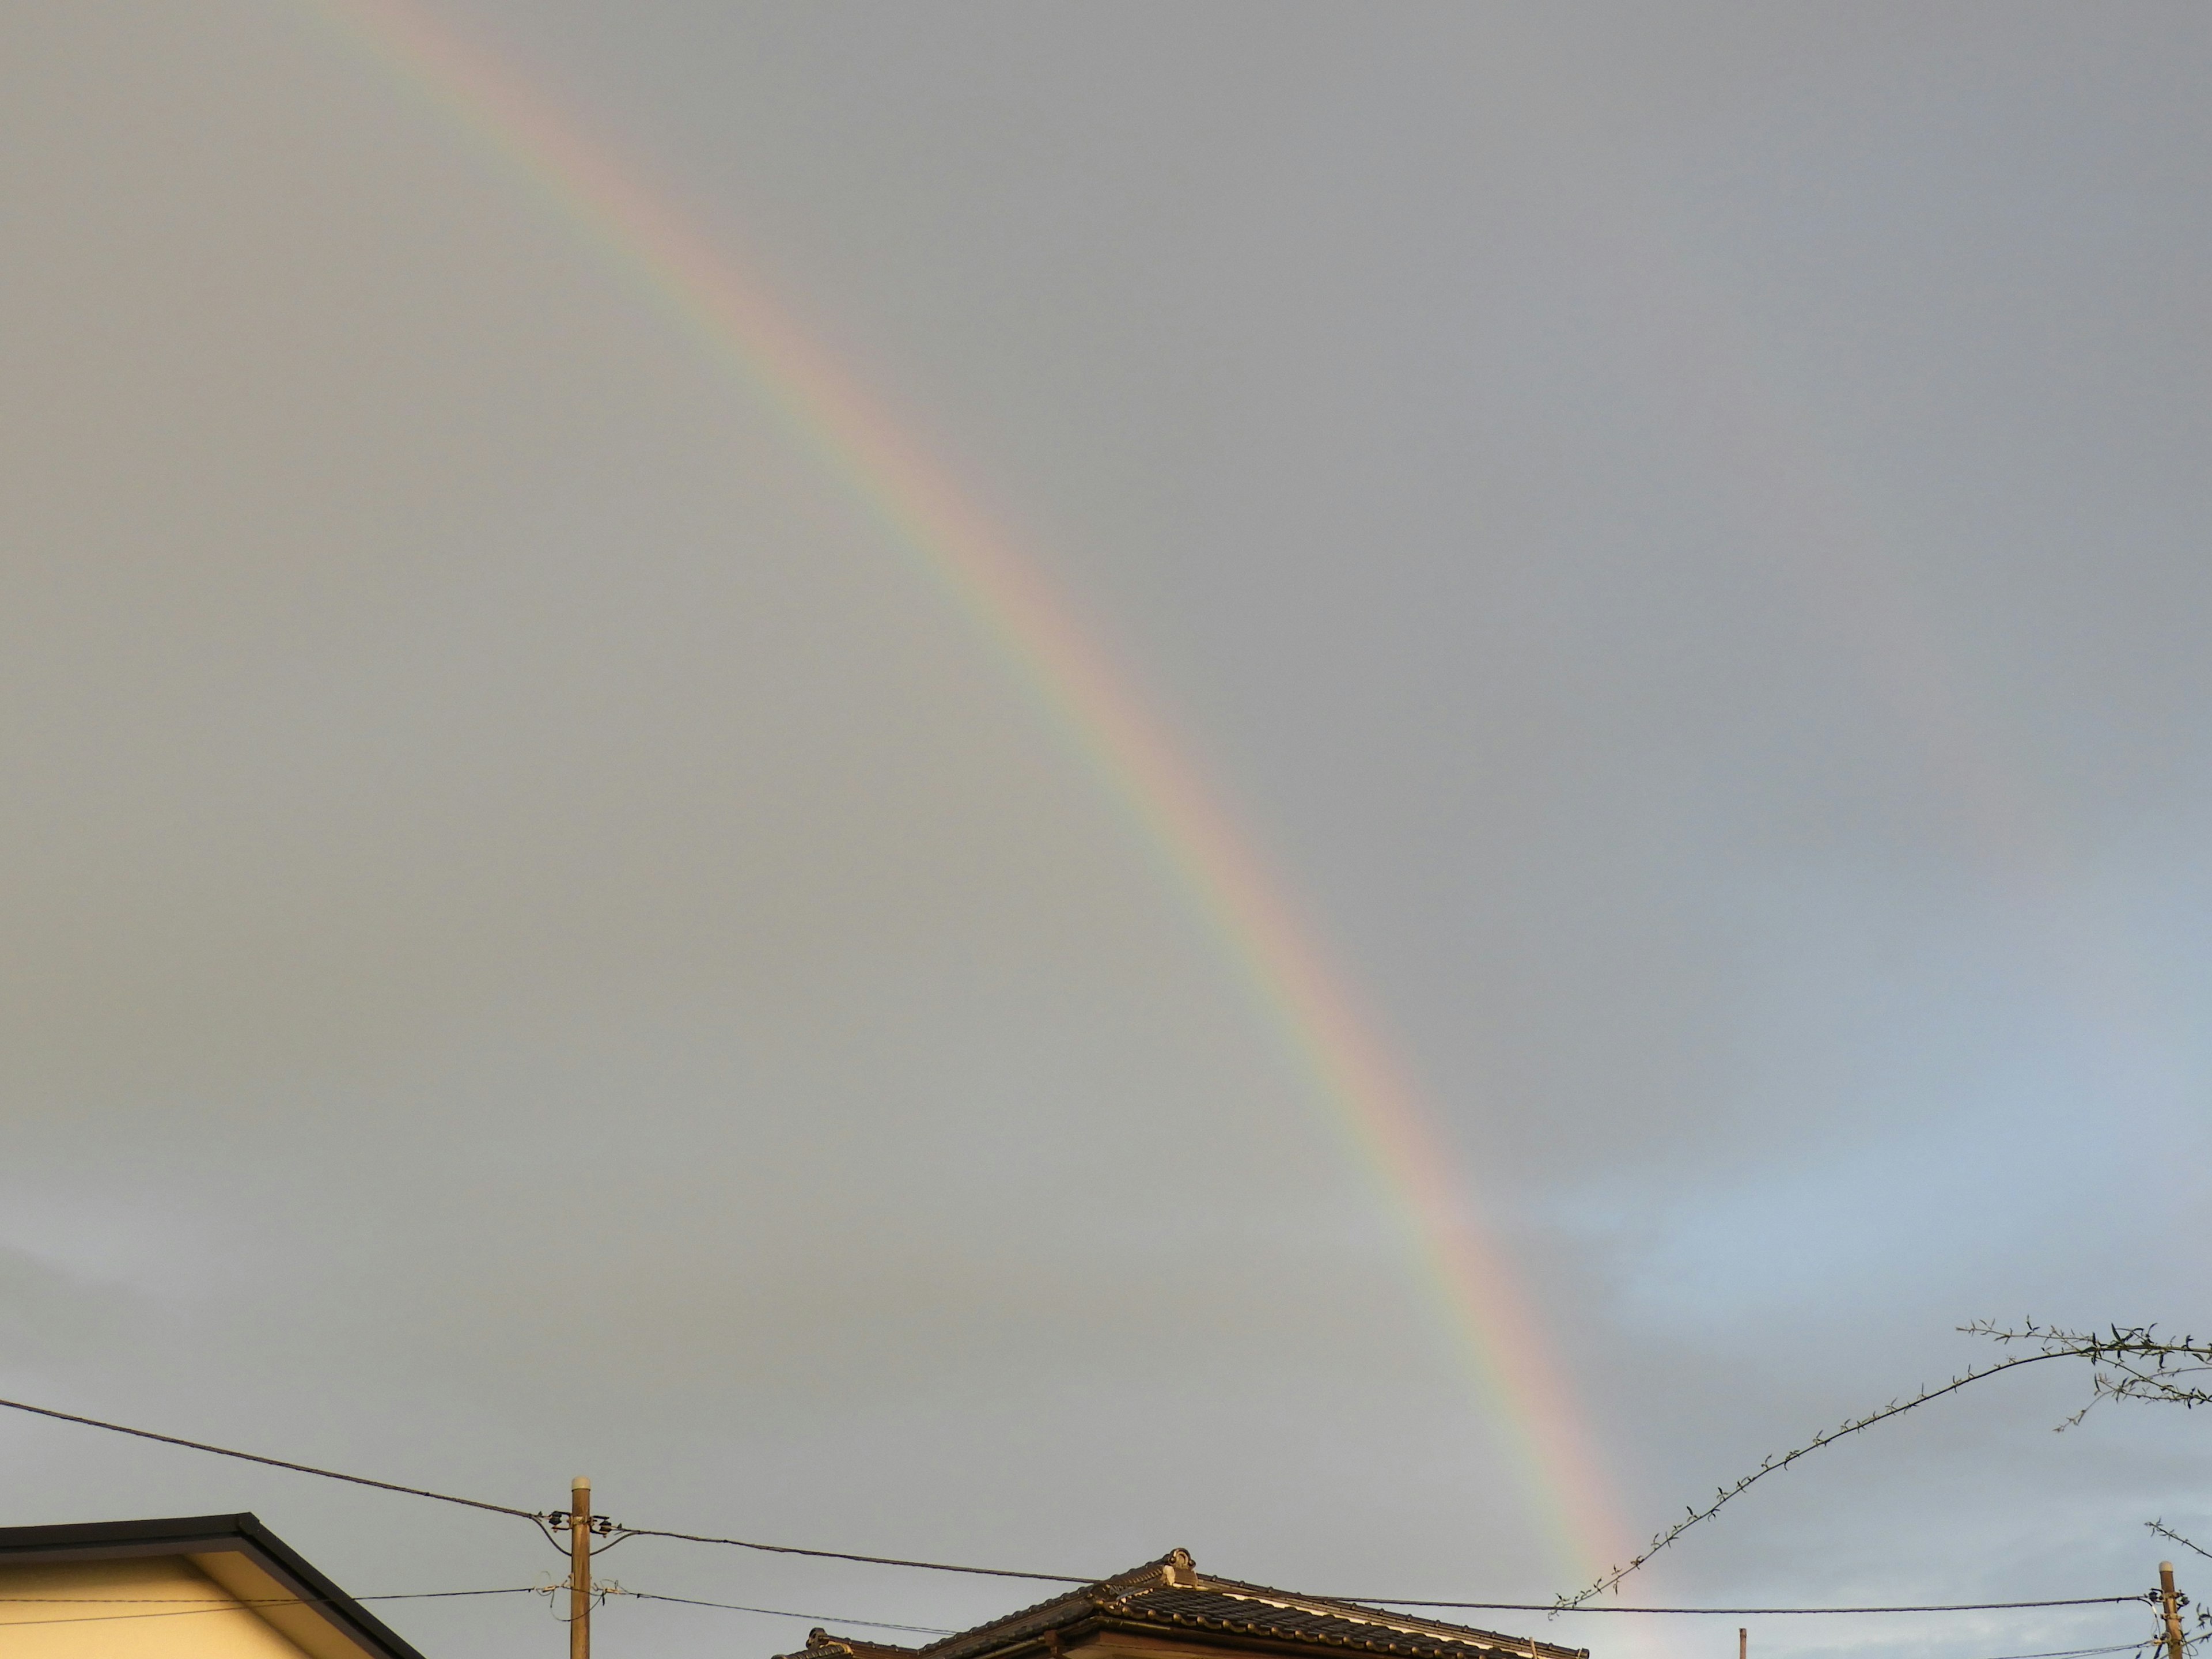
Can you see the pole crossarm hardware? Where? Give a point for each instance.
(2171, 1602)
(581, 1525)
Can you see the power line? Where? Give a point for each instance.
(542, 1518)
(204, 1607)
(271, 1463)
(221, 1601)
(779, 1613)
(871, 1560)
(539, 1517)
(1933, 1607)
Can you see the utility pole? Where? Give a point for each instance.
(1742, 1643)
(580, 1570)
(2170, 1600)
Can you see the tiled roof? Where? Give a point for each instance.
(1171, 1595)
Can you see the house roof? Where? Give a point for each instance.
(1170, 1597)
(241, 1556)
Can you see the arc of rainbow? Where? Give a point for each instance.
(1100, 714)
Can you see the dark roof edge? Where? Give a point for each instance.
(1120, 1601)
(202, 1534)
(1383, 1615)
(1055, 1612)
(1183, 1627)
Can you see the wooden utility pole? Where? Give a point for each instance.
(580, 1570)
(2170, 1599)
(1742, 1643)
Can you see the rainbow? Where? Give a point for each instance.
(1098, 713)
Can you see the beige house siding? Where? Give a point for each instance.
(150, 1607)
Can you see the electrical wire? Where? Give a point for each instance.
(221, 1601)
(869, 1560)
(271, 1463)
(539, 1518)
(534, 1516)
(779, 1613)
(224, 1607)
(1933, 1607)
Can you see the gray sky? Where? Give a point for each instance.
(536, 940)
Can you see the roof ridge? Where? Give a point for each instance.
(1171, 1591)
(1358, 1612)
(1151, 1569)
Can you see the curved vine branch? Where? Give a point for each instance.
(2130, 1363)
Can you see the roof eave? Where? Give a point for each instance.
(203, 1535)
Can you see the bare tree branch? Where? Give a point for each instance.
(2127, 1362)
(2165, 1531)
